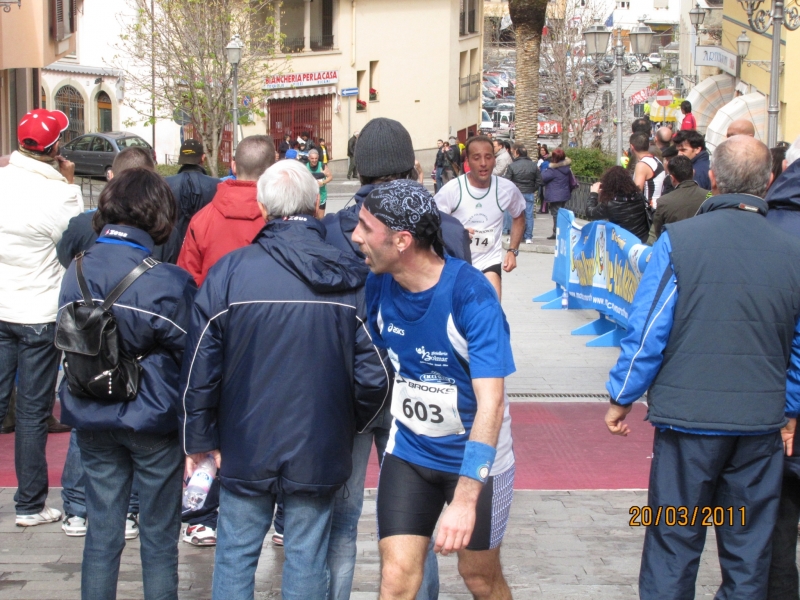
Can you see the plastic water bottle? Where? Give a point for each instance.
(194, 496)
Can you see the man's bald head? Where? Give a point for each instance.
(741, 127)
(663, 137)
(741, 165)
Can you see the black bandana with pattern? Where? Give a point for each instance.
(405, 205)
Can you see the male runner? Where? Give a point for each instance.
(478, 199)
(450, 441)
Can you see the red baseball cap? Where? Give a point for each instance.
(40, 128)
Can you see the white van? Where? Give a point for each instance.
(487, 126)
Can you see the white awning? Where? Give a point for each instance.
(752, 107)
(708, 96)
(302, 92)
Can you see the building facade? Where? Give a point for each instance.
(417, 61)
(32, 35)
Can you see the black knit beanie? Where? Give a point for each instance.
(384, 148)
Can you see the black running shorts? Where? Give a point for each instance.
(497, 269)
(411, 498)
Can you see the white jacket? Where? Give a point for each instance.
(36, 204)
(502, 160)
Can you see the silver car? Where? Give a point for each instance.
(94, 153)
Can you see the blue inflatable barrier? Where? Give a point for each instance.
(598, 267)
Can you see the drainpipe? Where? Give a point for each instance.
(352, 32)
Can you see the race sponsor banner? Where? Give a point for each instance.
(642, 95)
(606, 263)
(293, 80)
(549, 128)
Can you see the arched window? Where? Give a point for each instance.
(104, 122)
(70, 102)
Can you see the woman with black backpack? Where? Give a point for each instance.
(122, 324)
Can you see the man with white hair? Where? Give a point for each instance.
(323, 176)
(278, 406)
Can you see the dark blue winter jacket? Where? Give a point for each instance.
(340, 226)
(556, 180)
(152, 317)
(783, 199)
(701, 165)
(280, 371)
(193, 190)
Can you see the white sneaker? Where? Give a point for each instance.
(74, 526)
(132, 526)
(200, 535)
(529, 241)
(48, 515)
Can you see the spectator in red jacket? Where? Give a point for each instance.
(689, 122)
(234, 216)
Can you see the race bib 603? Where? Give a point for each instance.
(429, 409)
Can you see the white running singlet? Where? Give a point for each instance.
(482, 210)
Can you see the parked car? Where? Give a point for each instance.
(94, 153)
(489, 105)
(487, 126)
(646, 66)
(654, 59)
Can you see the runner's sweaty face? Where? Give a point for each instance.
(376, 241)
(481, 163)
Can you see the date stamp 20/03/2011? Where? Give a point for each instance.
(686, 516)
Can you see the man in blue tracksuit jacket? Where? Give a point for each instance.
(714, 339)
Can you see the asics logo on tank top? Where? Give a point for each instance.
(397, 330)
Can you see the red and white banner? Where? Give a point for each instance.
(292, 80)
(641, 96)
(549, 128)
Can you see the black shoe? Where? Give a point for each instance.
(551, 237)
(7, 429)
(56, 426)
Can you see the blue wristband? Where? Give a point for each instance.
(478, 459)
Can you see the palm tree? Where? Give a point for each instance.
(528, 17)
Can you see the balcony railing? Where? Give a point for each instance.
(296, 44)
(463, 90)
(323, 42)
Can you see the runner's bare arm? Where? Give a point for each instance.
(640, 174)
(458, 520)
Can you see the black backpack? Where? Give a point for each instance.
(94, 364)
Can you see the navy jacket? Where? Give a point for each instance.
(719, 351)
(340, 226)
(783, 199)
(701, 164)
(152, 316)
(79, 236)
(280, 371)
(556, 182)
(193, 189)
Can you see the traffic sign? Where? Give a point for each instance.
(664, 97)
(246, 101)
(349, 92)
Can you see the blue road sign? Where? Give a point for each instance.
(349, 91)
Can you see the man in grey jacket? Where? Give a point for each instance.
(502, 158)
(525, 174)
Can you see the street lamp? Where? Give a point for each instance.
(597, 37)
(233, 53)
(697, 15)
(742, 45)
(641, 38)
(760, 21)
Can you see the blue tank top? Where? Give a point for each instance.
(433, 401)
